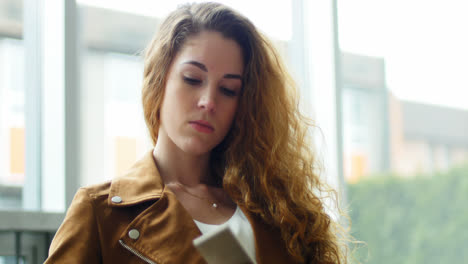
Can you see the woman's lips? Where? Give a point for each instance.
(202, 126)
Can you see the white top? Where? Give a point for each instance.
(240, 226)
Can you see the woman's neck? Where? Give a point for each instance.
(174, 165)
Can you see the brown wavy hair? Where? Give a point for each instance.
(266, 162)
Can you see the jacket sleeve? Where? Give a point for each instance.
(77, 239)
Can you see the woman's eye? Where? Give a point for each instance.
(228, 92)
(191, 81)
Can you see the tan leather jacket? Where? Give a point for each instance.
(135, 219)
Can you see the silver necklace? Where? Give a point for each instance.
(213, 204)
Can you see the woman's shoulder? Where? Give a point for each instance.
(91, 196)
(97, 189)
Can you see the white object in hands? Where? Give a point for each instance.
(222, 246)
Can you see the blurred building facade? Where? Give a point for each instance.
(426, 138)
(385, 134)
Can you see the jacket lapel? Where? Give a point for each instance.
(165, 230)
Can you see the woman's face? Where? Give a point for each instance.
(202, 93)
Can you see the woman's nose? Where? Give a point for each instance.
(207, 100)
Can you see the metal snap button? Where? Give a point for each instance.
(116, 199)
(134, 234)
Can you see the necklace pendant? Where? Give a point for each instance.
(215, 205)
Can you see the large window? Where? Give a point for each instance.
(12, 101)
(405, 123)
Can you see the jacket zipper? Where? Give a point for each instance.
(136, 253)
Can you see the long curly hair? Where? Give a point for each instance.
(266, 162)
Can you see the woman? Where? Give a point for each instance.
(229, 144)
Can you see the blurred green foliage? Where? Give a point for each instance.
(415, 220)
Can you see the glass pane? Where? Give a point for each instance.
(12, 127)
(113, 130)
(405, 122)
(11, 260)
(113, 34)
(31, 247)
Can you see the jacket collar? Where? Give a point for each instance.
(140, 183)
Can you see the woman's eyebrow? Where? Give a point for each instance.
(197, 64)
(203, 68)
(233, 76)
